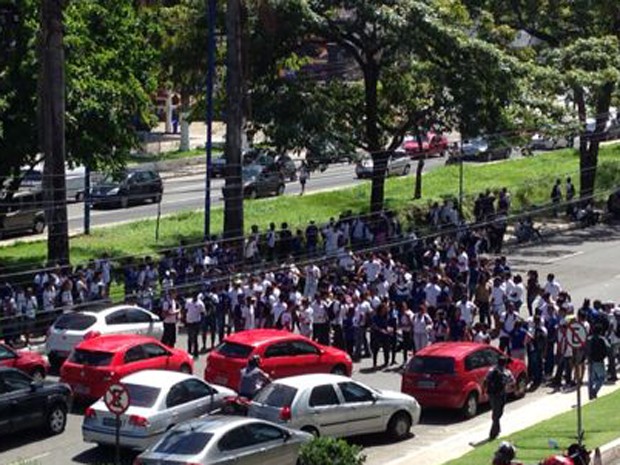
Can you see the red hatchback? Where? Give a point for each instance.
(97, 363)
(29, 362)
(282, 354)
(450, 375)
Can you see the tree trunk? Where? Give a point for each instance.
(233, 189)
(379, 157)
(418, 179)
(184, 117)
(53, 130)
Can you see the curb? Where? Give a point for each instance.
(609, 452)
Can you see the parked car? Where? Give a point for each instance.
(433, 145)
(282, 354)
(261, 181)
(22, 213)
(337, 406)
(98, 362)
(32, 363)
(398, 163)
(450, 375)
(226, 440)
(158, 400)
(72, 328)
(74, 181)
(481, 149)
(126, 188)
(543, 142)
(26, 403)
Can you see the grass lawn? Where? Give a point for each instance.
(174, 155)
(529, 180)
(600, 424)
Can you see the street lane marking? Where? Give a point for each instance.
(564, 257)
(34, 458)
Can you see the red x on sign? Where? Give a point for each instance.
(116, 399)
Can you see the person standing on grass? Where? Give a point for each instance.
(304, 175)
(495, 384)
(556, 196)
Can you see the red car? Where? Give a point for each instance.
(29, 362)
(282, 354)
(450, 375)
(97, 363)
(432, 145)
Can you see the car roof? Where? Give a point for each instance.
(114, 342)
(257, 337)
(311, 380)
(157, 378)
(106, 311)
(212, 423)
(456, 350)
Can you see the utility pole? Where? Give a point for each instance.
(52, 107)
(212, 10)
(233, 189)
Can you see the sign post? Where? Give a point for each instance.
(117, 401)
(577, 335)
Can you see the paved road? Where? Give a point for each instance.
(585, 262)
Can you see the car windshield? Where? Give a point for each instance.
(234, 350)
(75, 321)
(142, 396)
(432, 365)
(93, 358)
(251, 171)
(276, 395)
(183, 442)
(113, 178)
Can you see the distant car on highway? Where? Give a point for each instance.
(450, 375)
(158, 400)
(259, 156)
(398, 164)
(32, 363)
(337, 406)
(226, 440)
(127, 188)
(432, 145)
(540, 141)
(282, 354)
(262, 181)
(99, 362)
(72, 328)
(28, 404)
(22, 213)
(482, 149)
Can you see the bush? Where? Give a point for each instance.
(330, 451)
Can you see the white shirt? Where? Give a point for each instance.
(498, 293)
(194, 311)
(507, 321)
(516, 293)
(170, 311)
(467, 310)
(305, 321)
(248, 315)
(432, 291)
(553, 288)
(319, 312)
(277, 310)
(361, 313)
(463, 262)
(371, 270)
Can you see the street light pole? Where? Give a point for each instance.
(87, 199)
(211, 7)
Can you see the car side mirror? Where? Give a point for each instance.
(375, 398)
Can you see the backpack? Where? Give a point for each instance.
(496, 382)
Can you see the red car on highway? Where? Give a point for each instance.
(97, 363)
(282, 354)
(29, 362)
(433, 145)
(450, 375)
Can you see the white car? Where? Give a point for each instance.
(337, 406)
(158, 400)
(542, 142)
(72, 328)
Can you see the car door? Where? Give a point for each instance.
(140, 322)
(28, 406)
(117, 322)
(135, 359)
(177, 402)
(277, 360)
(5, 408)
(360, 409)
(7, 356)
(158, 358)
(304, 358)
(325, 410)
(475, 372)
(200, 399)
(237, 446)
(272, 444)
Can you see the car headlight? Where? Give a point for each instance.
(113, 191)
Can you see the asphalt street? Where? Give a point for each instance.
(584, 261)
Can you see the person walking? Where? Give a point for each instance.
(597, 349)
(495, 384)
(304, 175)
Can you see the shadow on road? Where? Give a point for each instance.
(104, 455)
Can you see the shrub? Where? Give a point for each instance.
(324, 451)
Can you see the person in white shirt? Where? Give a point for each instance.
(422, 326)
(338, 308)
(194, 311)
(371, 269)
(360, 322)
(305, 319)
(516, 293)
(432, 291)
(170, 313)
(507, 322)
(552, 286)
(248, 313)
(313, 275)
(49, 297)
(277, 310)
(467, 310)
(320, 327)
(286, 320)
(498, 299)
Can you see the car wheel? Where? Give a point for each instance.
(399, 426)
(124, 201)
(339, 370)
(471, 405)
(185, 368)
(39, 226)
(57, 419)
(280, 190)
(520, 387)
(311, 430)
(406, 170)
(38, 374)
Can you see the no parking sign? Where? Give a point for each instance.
(577, 335)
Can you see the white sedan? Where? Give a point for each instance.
(72, 328)
(158, 400)
(337, 406)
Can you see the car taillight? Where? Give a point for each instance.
(91, 335)
(137, 420)
(90, 413)
(285, 413)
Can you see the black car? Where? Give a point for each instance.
(26, 404)
(261, 181)
(130, 187)
(23, 212)
(259, 156)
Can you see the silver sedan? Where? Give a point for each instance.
(222, 440)
(158, 400)
(332, 405)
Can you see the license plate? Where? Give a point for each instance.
(426, 384)
(81, 389)
(111, 422)
(221, 380)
